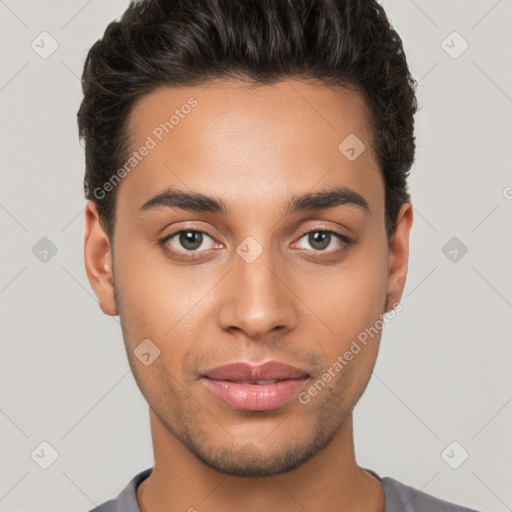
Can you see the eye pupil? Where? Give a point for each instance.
(191, 239)
(319, 239)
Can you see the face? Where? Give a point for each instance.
(283, 257)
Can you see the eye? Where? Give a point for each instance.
(193, 243)
(325, 241)
(186, 241)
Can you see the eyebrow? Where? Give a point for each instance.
(195, 201)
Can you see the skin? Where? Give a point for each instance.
(298, 303)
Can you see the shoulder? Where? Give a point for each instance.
(403, 498)
(108, 506)
(127, 499)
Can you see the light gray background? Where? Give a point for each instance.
(443, 373)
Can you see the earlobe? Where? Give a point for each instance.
(98, 260)
(399, 256)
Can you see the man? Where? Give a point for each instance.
(248, 219)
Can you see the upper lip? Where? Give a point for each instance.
(245, 372)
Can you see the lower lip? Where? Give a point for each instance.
(255, 397)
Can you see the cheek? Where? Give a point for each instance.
(351, 297)
(165, 303)
(155, 294)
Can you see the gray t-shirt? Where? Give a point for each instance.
(399, 498)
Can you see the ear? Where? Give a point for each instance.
(98, 260)
(399, 256)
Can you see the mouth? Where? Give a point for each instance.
(255, 388)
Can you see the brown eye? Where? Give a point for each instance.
(188, 243)
(190, 240)
(319, 240)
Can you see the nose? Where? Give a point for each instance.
(257, 299)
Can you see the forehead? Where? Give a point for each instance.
(227, 139)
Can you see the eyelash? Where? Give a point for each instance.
(345, 241)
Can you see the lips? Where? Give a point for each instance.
(250, 387)
(246, 373)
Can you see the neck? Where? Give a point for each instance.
(329, 480)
